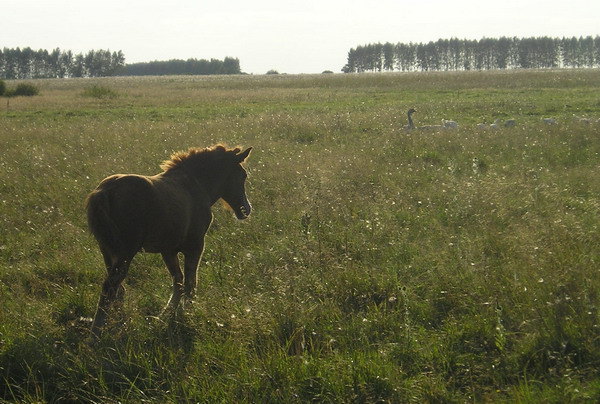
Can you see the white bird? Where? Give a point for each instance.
(583, 120)
(450, 124)
(411, 125)
(496, 124)
(431, 127)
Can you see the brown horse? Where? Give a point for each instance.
(167, 213)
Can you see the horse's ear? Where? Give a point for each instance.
(244, 155)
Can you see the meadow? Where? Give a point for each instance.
(378, 265)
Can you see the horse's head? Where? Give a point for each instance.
(234, 192)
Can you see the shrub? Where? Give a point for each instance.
(25, 89)
(99, 92)
(2, 87)
(272, 72)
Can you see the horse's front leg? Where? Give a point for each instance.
(172, 263)
(192, 259)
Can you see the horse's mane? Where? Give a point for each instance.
(196, 156)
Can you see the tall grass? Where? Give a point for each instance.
(99, 92)
(377, 266)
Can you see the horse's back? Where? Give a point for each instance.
(130, 195)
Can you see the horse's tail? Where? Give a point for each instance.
(101, 224)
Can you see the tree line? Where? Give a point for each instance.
(186, 67)
(483, 54)
(26, 63)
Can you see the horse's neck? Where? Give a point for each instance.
(207, 188)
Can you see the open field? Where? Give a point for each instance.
(378, 265)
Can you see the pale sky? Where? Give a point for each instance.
(297, 36)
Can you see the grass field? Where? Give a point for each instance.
(378, 265)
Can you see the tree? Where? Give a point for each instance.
(442, 49)
(65, 63)
(502, 53)
(40, 65)
(570, 53)
(77, 68)
(469, 55)
(117, 62)
(388, 56)
(586, 49)
(597, 51)
(350, 67)
(456, 54)
(406, 56)
(53, 64)
(427, 57)
(10, 64)
(231, 66)
(23, 58)
(2, 62)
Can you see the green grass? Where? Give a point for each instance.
(99, 92)
(377, 266)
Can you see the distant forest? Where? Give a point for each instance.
(483, 54)
(27, 63)
(177, 66)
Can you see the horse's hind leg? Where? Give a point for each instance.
(192, 258)
(108, 264)
(112, 289)
(172, 263)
